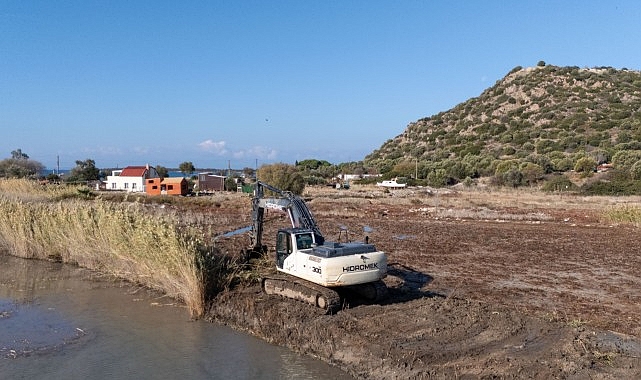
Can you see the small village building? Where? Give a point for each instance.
(131, 178)
(167, 186)
(211, 182)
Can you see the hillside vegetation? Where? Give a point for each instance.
(532, 124)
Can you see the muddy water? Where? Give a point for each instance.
(58, 321)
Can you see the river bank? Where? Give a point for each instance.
(61, 321)
(504, 284)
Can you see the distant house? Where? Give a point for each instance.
(131, 178)
(211, 182)
(168, 186)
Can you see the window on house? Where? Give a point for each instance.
(133, 185)
(113, 185)
(170, 187)
(126, 185)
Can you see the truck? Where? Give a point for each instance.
(310, 269)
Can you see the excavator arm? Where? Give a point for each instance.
(287, 202)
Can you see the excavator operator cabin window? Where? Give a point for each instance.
(284, 243)
(304, 241)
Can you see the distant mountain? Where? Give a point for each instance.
(543, 118)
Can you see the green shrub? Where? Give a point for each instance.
(559, 183)
(586, 166)
(617, 187)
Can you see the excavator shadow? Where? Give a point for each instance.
(403, 284)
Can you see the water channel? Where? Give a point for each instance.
(62, 322)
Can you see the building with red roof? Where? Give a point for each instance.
(131, 178)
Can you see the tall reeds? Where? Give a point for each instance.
(123, 239)
(627, 214)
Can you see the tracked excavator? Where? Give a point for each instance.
(309, 268)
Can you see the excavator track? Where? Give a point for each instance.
(301, 290)
(372, 292)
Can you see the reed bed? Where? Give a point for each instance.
(123, 239)
(625, 214)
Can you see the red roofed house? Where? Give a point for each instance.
(131, 178)
(169, 186)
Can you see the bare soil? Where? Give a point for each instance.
(482, 285)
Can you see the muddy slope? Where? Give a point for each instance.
(433, 336)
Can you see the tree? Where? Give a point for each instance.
(437, 178)
(162, 171)
(84, 171)
(586, 166)
(19, 166)
(186, 168)
(282, 176)
(532, 172)
(19, 155)
(231, 184)
(249, 172)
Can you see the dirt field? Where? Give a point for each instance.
(483, 285)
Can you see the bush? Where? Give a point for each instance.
(438, 178)
(618, 187)
(532, 173)
(586, 166)
(559, 183)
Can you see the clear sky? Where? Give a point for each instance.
(212, 82)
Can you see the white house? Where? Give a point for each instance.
(131, 178)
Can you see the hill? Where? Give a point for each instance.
(534, 122)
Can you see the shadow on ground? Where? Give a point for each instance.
(403, 284)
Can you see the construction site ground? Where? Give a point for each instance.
(483, 284)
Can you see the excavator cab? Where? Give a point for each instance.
(283, 247)
(290, 240)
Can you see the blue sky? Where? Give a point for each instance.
(212, 82)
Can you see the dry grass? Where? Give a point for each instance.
(626, 214)
(476, 203)
(123, 239)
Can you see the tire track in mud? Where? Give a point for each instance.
(431, 336)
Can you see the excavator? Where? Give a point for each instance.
(309, 268)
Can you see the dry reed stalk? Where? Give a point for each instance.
(120, 239)
(628, 214)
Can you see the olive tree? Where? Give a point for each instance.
(283, 176)
(84, 171)
(19, 166)
(586, 166)
(187, 168)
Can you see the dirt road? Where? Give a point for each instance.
(482, 286)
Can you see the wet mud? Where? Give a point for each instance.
(553, 297)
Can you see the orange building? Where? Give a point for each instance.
(168, 186)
